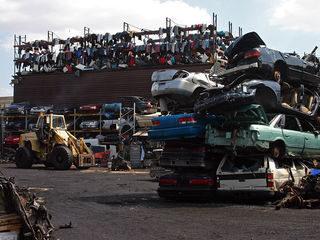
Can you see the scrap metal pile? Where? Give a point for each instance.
(22, 213)
(268, 102)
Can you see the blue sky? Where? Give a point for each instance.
(285, 25)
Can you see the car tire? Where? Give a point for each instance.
(277, 150)
(61, 158)
(23, 157)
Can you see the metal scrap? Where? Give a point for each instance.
(305, 195)
(36, 224)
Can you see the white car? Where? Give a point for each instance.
(122, 125)
(176, 89)
(257, 176)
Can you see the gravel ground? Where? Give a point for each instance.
(124, 205)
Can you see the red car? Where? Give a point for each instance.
(90, 108)
(13, 140)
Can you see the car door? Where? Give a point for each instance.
(295, 67)
(311, 139)
(292, 135)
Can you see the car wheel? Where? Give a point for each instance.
(61, 158)
(23, 158)
(277, 150)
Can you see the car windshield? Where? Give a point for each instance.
(253, 114)
(58, 122)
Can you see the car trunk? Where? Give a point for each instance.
(244, 43)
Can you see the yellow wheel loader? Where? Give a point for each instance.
(52, 145)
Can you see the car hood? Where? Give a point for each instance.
(244, 43)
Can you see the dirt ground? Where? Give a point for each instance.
(125, 205)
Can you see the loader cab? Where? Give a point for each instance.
(51, 121)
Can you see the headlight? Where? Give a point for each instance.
(255, 135)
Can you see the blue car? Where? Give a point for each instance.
(181, 126)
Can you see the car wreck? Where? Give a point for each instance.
(249, 54)
(177, 90)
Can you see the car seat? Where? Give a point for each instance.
(307, 102)
(289, 96)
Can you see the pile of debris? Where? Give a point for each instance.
(22, 214)
(305, 195)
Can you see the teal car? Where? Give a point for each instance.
(248, 129)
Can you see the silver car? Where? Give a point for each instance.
(176, 89)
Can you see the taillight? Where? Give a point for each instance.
(201, 182)
(218, 183)
(252, 53)
(199, 149)
(93, 107)
(164, 181)
(155, 122)
(149, 105)
(270, 182)
(186, 120)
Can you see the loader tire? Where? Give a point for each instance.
(23, 157)
(61, 158)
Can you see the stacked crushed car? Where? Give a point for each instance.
(253, 126)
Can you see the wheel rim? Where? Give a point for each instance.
(277, 76)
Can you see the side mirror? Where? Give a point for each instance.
(316, 132)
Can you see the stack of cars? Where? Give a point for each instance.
(267, 104)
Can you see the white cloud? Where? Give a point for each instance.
(296, 15)
(5, 92)
(36, 17)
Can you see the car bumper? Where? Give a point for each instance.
(239, 69)
(247, 194)
(186, 192)
(173, 87)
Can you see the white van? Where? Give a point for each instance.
(257, 176)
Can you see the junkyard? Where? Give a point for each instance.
(121, 205)
(180, 132)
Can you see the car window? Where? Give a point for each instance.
(283, 163)
(306, 126)
(278, 123)
(57, 122)
(180, 74)
(234, 164)
(291, 123)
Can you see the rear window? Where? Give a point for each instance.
(283, 163)
(234, 164)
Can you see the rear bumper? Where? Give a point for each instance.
(247, 194)
(239, 69)
(173, 87)
(198, 192)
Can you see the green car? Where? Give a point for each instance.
(249, 129)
